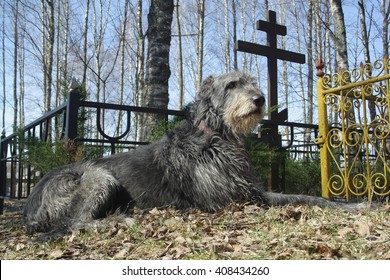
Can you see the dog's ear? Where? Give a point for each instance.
(202, 103)
(206, 87)
(204, 109)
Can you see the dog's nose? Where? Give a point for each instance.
(259, 101)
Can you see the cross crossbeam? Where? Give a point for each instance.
(267, 51)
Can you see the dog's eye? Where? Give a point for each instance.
(231, 85)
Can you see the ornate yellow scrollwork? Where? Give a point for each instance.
(355, 147)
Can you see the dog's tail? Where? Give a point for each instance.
(277, 199)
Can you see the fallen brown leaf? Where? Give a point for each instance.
(361, 228)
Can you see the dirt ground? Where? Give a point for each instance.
(241, 231)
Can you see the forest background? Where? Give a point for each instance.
(104, 46)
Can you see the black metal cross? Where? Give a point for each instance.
(272, 53)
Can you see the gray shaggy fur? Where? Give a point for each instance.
(201, 164)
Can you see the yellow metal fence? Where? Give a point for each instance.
(354, 131)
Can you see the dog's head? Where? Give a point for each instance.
(230, 102)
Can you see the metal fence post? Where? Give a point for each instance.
(323, 131)
(72, 110)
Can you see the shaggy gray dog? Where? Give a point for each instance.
(201, 164)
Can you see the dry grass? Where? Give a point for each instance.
(238, 232)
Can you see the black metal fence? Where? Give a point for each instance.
(17, 176)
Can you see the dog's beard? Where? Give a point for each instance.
(246, 123)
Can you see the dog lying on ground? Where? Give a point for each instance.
(200, 164)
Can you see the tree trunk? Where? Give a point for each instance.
(318, 50)
(300, 77)
(85, 44)
(3, 63)
(328, 35)
(366, 50)
(97, 41)
(362, 18)
(59, 67)
(199, 74)
(62, 50)
(235, 62)
(340, 37)
(122, 67)
(180, 59)
(282, 20)
(285, 83)
(15, 86)
(252, 59)
(21, 66)
(310, 109)
(48, 33)
(385, 15)
(65, 74)
(328, 58)
(340, 45)
(244, 18)
(140, 67)
(158, 71)
(227, 38)
(140, 73)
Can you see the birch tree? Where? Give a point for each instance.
(140, 65)
(328, 54)
(318, 39)
(15, 58)
(340, 36)
(180, 57)
(59, 65)
(328, 37)
(85, 44)
(201, 14)
(244, 16)
(364, 33)
(99, 27)
(122, 42)
(21, 66)
(385, 11)
(3, 63)
(48, 38)
(234, 12)
(282, 20)
(139, 72)
(366, 49)
(309, 46)
(300, 71)
(227, 38)
(63, 19)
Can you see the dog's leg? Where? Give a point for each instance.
(104, 194)
(72, 196)
(277, 199)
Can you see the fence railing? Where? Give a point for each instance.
(355, 144)
(17, 177)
